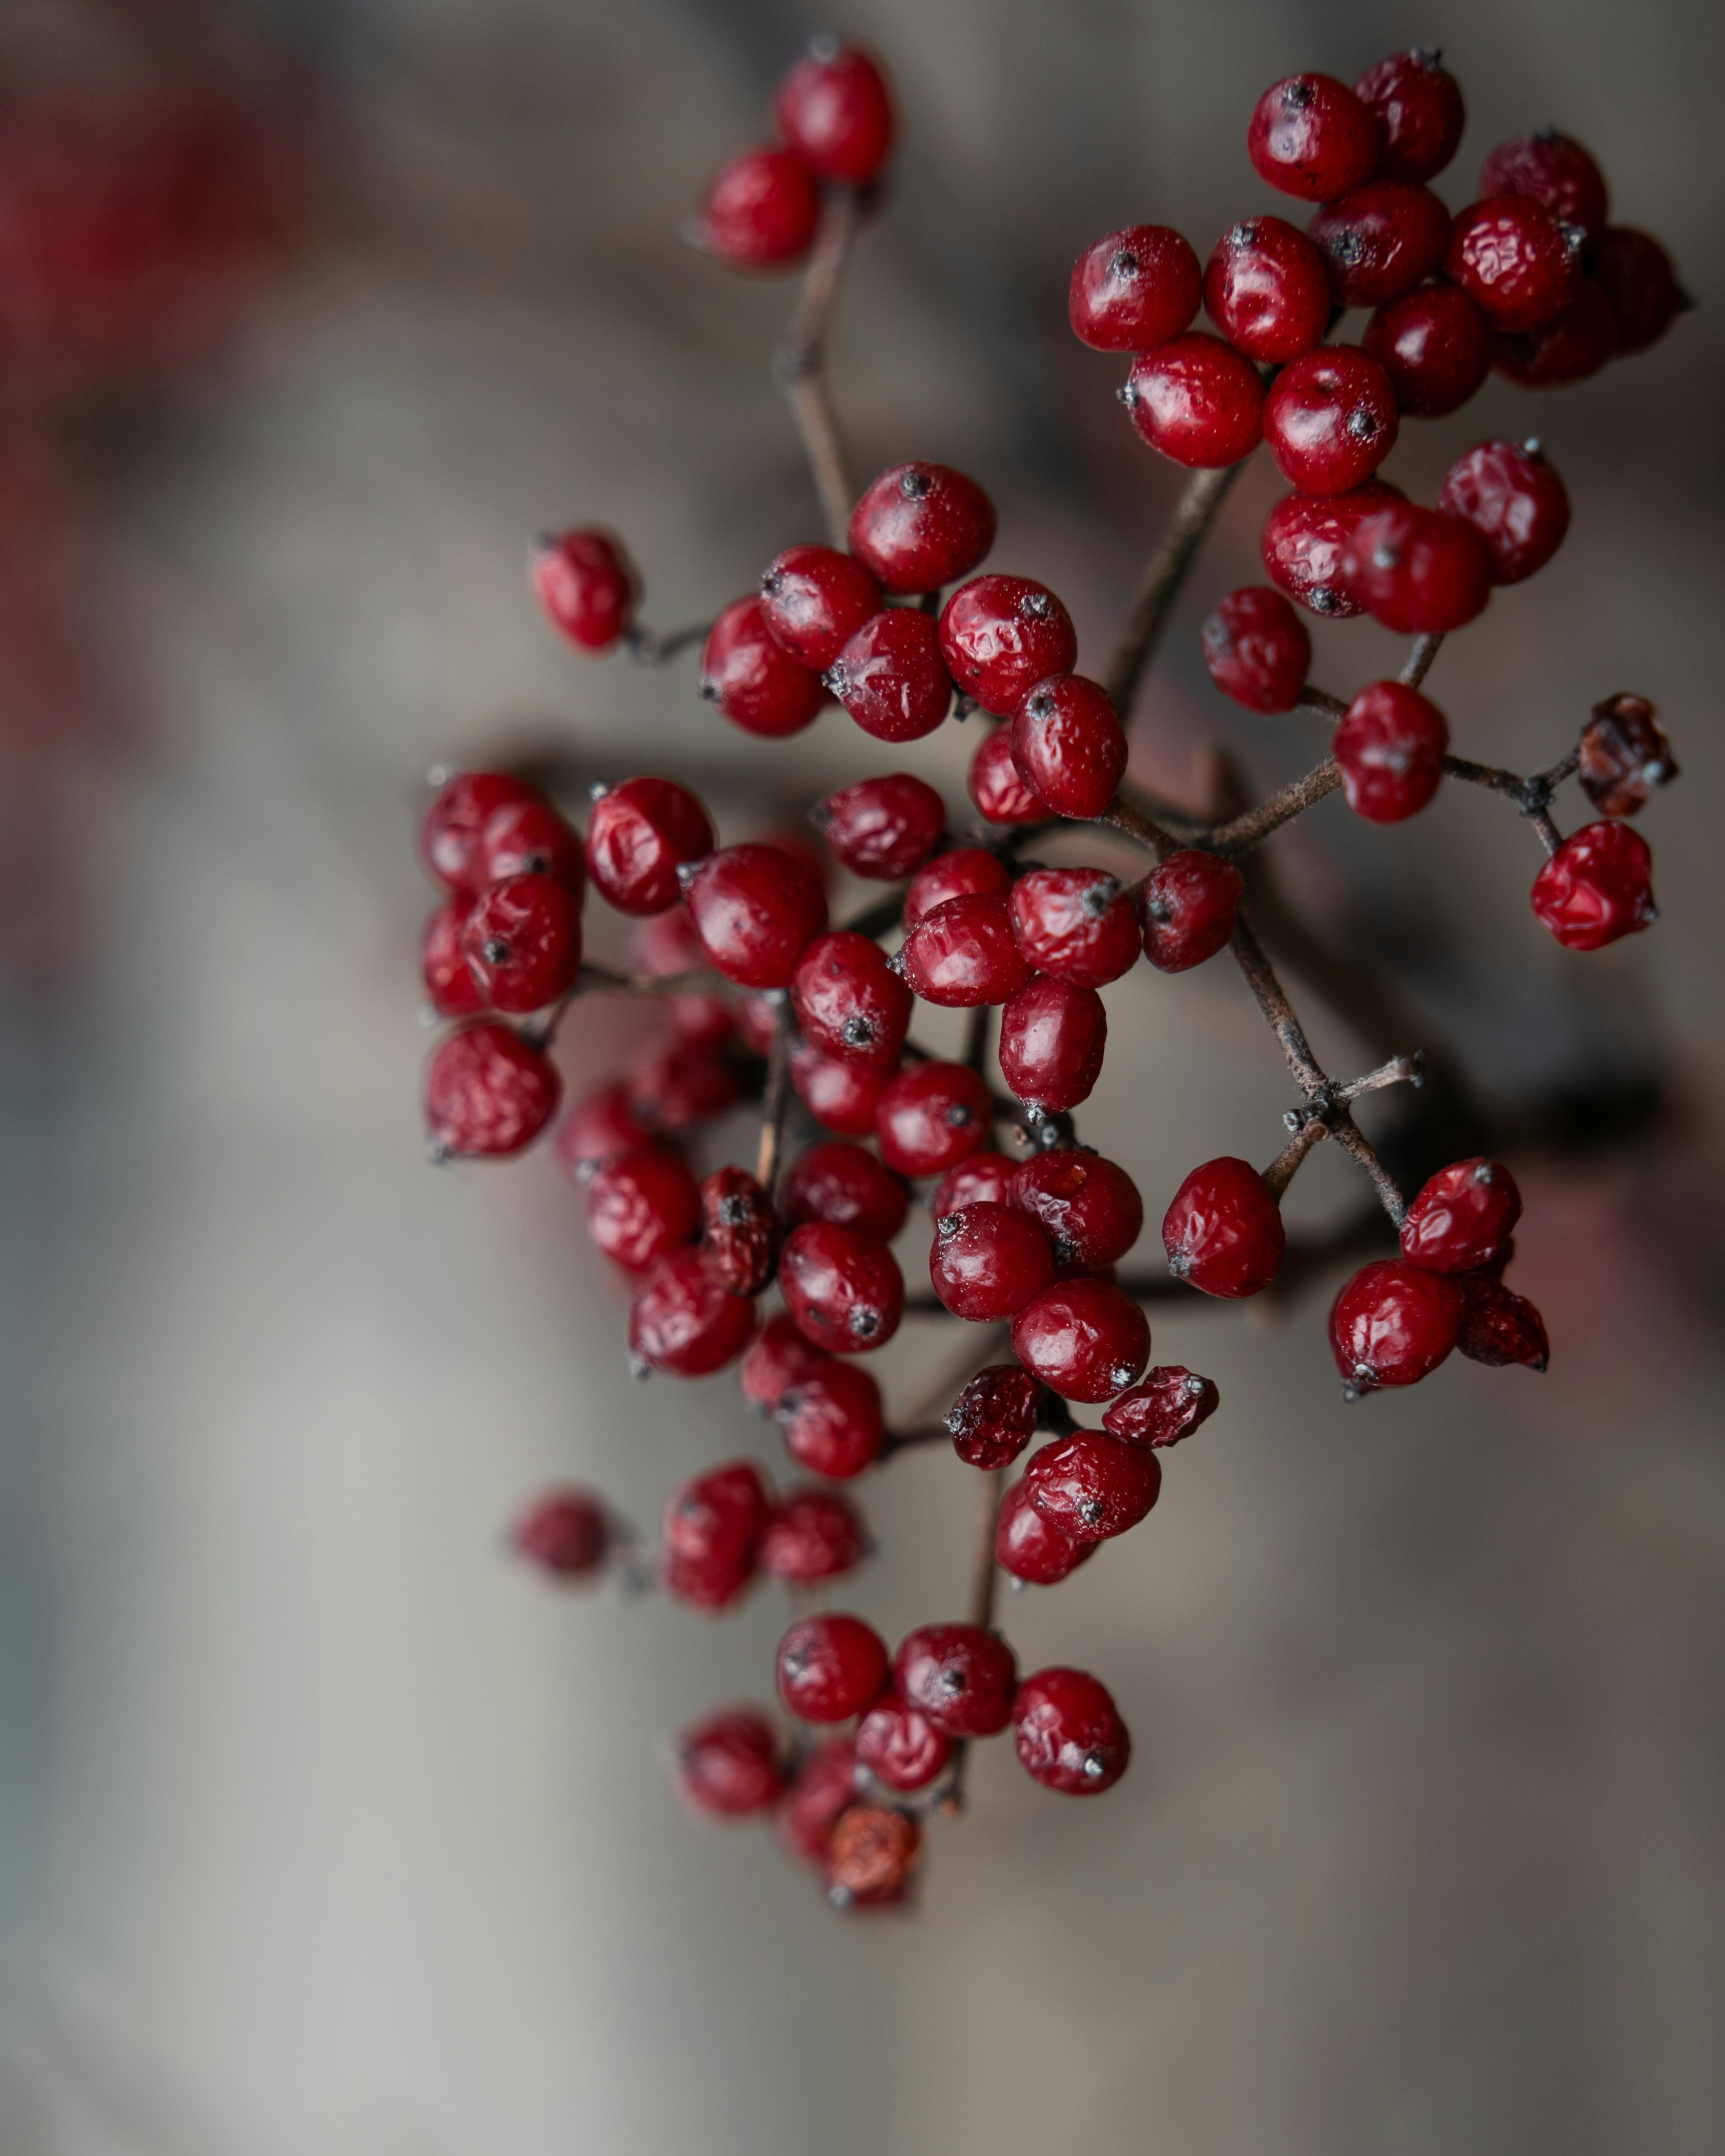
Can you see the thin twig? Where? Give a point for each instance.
(1272, 1001)
(1282, 807)
(1136, 825)
(1282, 1170)
(649, 648)
(976, 1039)
(800, 365)
(776, 1102)
(1347, 1135)
(984, 1577)
(1399, 1070)
(1420, 658)
(602, 981)
(1164, 574)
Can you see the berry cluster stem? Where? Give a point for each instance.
(1164, 574)
(799, 366)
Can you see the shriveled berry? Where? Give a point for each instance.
(1515, 261)
(967, 872)
(891, 677)
(1391, 748)
(1418, 570)
(778, 1357)
(823, 1789)
(450, 835)
(994, 785)
(932, 1117)
(683, 1320)
(1069, 745)
(488, 1094)
(984, 1179)
(640, 834)
(728, 1765)
(1089, 1207)
(842, 1095)
(1331, 419)
(1135, 288)
(962, 1677)
(1552, 170)
(1196, 400)
(813, 1534)
(1033, 1549)
(1501, 1328)
(1223, 1233)
(1596, 887)
(756, 910)
(1052, 1037)
(523, 939)
(587, 585)
(1574, 347)
(739, 1231)
(1393, 1324)
(1434, 345)
(849, 1002)
(565, 1532)
(1170, 1404)
(1419, 107)
(883, 828)
(1068, 1733)
(830, 1666)
(1258, 650)
(1624, 756)
(1001, 635)
(674, 1089)
(844, 1290)
(1188, 907)
(1093, 1487)
(899, 1746)
(870, 1857)
(1462, 1218)
(847, 1185)
(964, 954)
(1516, 502)
(1083, 1338)
(919, 527)
(641, 1204)
(1077, 924)
(600, 1123)
(1267, 290)
(760, 212)
(1310, 136)
(1305, 540)
(712, 1528)
(1641, 284)
(753, 680)
(831, 1420)
(987, 1261)
(835, 109)
(442, 964)
(994, 1418)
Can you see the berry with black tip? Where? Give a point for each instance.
(1421, 572)
(1084, 1339)
(849, 1001)
(639, 834)
(994, 1418)
(831, 1420)
(1267, 290)
(1169, 1405)
(987, 1261)
(1515, 261)
(1310, 136)
(1093, 1487)
(1089, 1207)
(963, 954)
(739, 1231)
(778, 1357)
(454, 827)
(994, 785)
(1134, 289)
(1331, 419)
(870, 1857)
(1077, 924)
(683, 1320)
(600, 1123)
(442, 964)
(1052, 1037)
(830, 1666)
(1463, 1217)
(891, 676)
(641, 1204)
(1032, 1549)
(729, 1765)
(884, 829)
(1391, 748)
(1514, 499)
(962, 1677)
(1223, 1232)
(711, 1528)
(1068, 1734)
(847, 1185)
(835, 109)
(812, 1535)
(1393, 1324)
(921, 526)
(1553, 171)
(1069, 745)
(1434, 345)
(1597, 887)
(1257, 650)
(1196, 400)
(931, 1118)
(752, 679)
(1001, 635)
(844, 1290)
(1380, 240)
(841, 1095)
(1419, 104)
(1305, 541)
(899, 1746)
(813, 599)
(756, 910)
(1189, 908)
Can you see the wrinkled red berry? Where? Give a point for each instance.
(752, 679)
(1068, 1733)
(1083, 1338)
(899, 1746)
(813, 1534)
(1258, 649)
(600, 1124)
(779, 1358)
(847, 1185)
(844, 1290)
(962, 1677)
(1093, 1487)
(1170, 1404)
(1500, 1328)
(488, 1094)
(1089, 1207)
(450, 837)
(987, 1261)
(756, 911)
(871, 1856)
(1134, 289)
(1516, 503)
(712, 1528)
(672, 1090)
(1052, 1037)
(1391, 748)
(1188, 907)
(728, 1764)
(823, 1789)
(1305, 539)
(841, 1094)
(1069, 745)
(835, 109)
(963, 954)
(892, 678)
(932, 1117)
(830, 1666)
(1310, 136)
(994, 785)
(1514, 260)
(1223, 1233)
(1331, 419)
(1077, 924)
(1393, 1324)
(588, 586)
(919, 527)
(967, 872)
(1418, 570)
(739, 1231)
(1596, 887)
(1435, 346)
(1198, 401)
(761, 211)
(1380, 240)
(813, 599)
(1032, 1548)
(1550, 169)
(523, 940)
(1574, 347)
(883, 828)
(1462, 1218)
(641, 1204)
(994, 1418)
(442, 964)
(831, 1420)
(565, 1532)
(640, 834)
(1001, 635)
(1419, 105)
(1267, 290)
(683, 1320)
(849, 1002)
(1624, 756)
(1641, 284)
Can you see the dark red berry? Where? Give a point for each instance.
(1170, 1404)
(1032, 1548)
(1418, 570)
(1391, 748)
(1068, 1733)
(761, 211)
(1419, 107)
(1501, 1328)
(1134, 289)
(831, 1420)
(1198, 401)
(1052, 1037)
(528, 837)
(1462, 1218)
(1258, 650)
(1393, 1324)
(565, 1532)
(835, 109)
(487, 1093)
(1187, 908)
(899, 1746)
(1089, 1208)
(449, 837)
(963, 954)
(756, 910)
(1267, 290)
(844, 1290)
(849, 1002)
(813, 1534)
(1515, 261)
(1305, 538)
(641, 1204)
(1093, 1487)
(752, 679)
(1641, 284)
(729, 1765)
(1083, 1338)
(779, 1359)
(1069, 745)
(1434, 345)
(987, 1261)
(1380, 240)
(1310, 136)
(1331, 419)
(967, 872)
(870, 1857)
(600, 1124)
(994, 1418)
(1514, 500)
(683, 1320)
(885, 828)
(640, 834)
(712, 1528)
(813, 599)
(830, 1666)
(932, 1117)
(523, 940)
(822, 1791)
(919, 527)
(841, 1095)
(673, 1090)
(1001, 635)
(1077, 924)
(847, 1185)
(984, 1179)
(442, 964)
(1574, 347)
(1596, 887)
(891, 677)
(1624, 756)
(994, 785)
(1550, 169)
(1223, 1232)
(589, 586)
(739, 1231)
(962, 1677)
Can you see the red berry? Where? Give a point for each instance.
(1514, 260)
(1170, 1404)
(565, 1532)
(712, 1528)
(600, 1124)
(680, 1086)
(1514, 500)
(1089, 1208)
(841, 1095)
(883, 828)
(962, 1677)
(870, 1857)
(849, 1002)
(994, 1418)
(523, 940)
(761, 211)
(831, 1420)
(1641, 284)
(1134, 289)
(813, 599)
(1052, 1037)
(1223, 1232)
(835, 109)
(1068, 1733)
(1551, 170)
(1597, 886)
(488, 1094)
(844, 1290)
(822, 1791)
(899, 1746)
(1462, 1218)
(779, 1358)
(1305, 538)
(589, 586)
(1188, 907)
(1032, 1548)
(454, 823)
(1380, 240)
(1198, 401)
(1331, 419)
(932, 1117)
(683, 1320)
(1435, 346)
(1624, 756)
(815, 1534)
(1077, 924)
(919, 527)
(1001, 635)
(1501, 1328)
(753, 680)
(739, 1231)
(987, 1261)
(1310, 136)
(984, 1179)
(1258, 649)
(1391, 748)
(442, 964)
(1092, 1486)
(1267, 290)
(1419, 105)
(892, 678)
(1083, 1338)
(848, 1186)
(641, 1204)
(728, 1764)
(639, 834)
(756, 911)
(1577, 345)
(963, 954)
(1418, 570)
(1068, 745)
(994, 785)
(967, 872)
(528, 837)
(830, 1666)
(1393, 1324)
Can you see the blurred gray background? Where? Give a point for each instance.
(324, 1828)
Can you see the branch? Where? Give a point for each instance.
(1282, 807)
(1272, 1001)
(777, 1099)
(1420, 658)
(799, 365)
(647, 648)
(1164, 574)
(1531, 796)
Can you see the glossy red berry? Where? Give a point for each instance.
(963, 954)
(523, 940)
(899, 1746)
(450, 837)
(1077, 924)
(753, 680)
(984, 1179)
(813, 599)
(1267, 290)
(1596, 887)
(1170, 1404)
(678, 1087)
(1391, 748)
(844, 1290)
(712, 1528)
(932, 1117)
(1001, 635)
(1031, 1548)
(965, 872)
(842, 1095)
(1418, 570)
(1310, 136)
(739, 1231)
(639, 834)
(1515, 261)
(847, 1185)
(600, 1123)
(1223, 1233)
(994, 1418)
(1462, 1218)
(760, 212)
(1189, 908)
(870, 1857)
(729, 1765)
(1434, 345)
(1393, 1324)
(1514, 500)
(849, 1002)
(1419, 104)
(835, 109)
(589, 586)
(779, 1357)
(814, 1535)
(1551, 169)
(1331, 419)
(1093, 1487)
(1052, 1037)
(564, 1532)
(830, 1666)
(1068, 1733)
(962, 1677)
(1069, 745)
(1501, 1328)
(528, 837)
(1089, 1207)
(1624, 756)
(831, 1420)
(1198, 401)
(919, 527)
(1380, 240)
(1258, 650)
(442, 964)
(987, 1261)
(1304, 541)
(884, 829)
(683, 1320)
(1641, 284)
(1134, 289)
(488, 1094)
(891, 677)
(994, 785)
(641, 1204)
(1083, 1338)
(756, 910)
(823, 1789)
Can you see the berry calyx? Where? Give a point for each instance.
(994, 1418)
(1624, 756)
(1435, 346)
(812, 1535)
(1187, 908)
(844, 1291)
(1001, 635)
(847, 1185)
(967, 872)
(566, 1533)
(899, 1746)
(1305, 541)
(813, 599)
(931, 1118)
(884, 829)
(641, 1204)
(756, 910)
(1417, 571)
(1052, 1037)
(712, 1527)
(587, 585)
(1641, 284)
(1380, 240)
(1500, 1328)
(1092, 1486)
(1069, 745)
(523, 940)
(995, 786)
(760, 212)
(1089, 1207)
(1515, 501)
(963, 953)
(987, 1261)
(1597, 887)
(1463, 1218)
(1393, 1324)
(831, 1420)
(1198, 401)
(683, 1320)
(919, 527)
(752, 679)
(1331, 419)
(1391, 748)
(488, 1094)
(830, 1666)
(1419, 104)
(1515, 261)
(728, 1765)
(639, 834)
(871, 1856)
(1033, 1549)
(1083, 1338)
(1267, 290)
(1551, 169)
(1169, 1405)
(835, 109)
(1077, 924)
(1068, 1734)
(1223, 1233)
(1135, 288)
(442, 964)
(849, 1001)
(962, 1677)
(1310, 136)
(1257, 650)
(891, 677)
